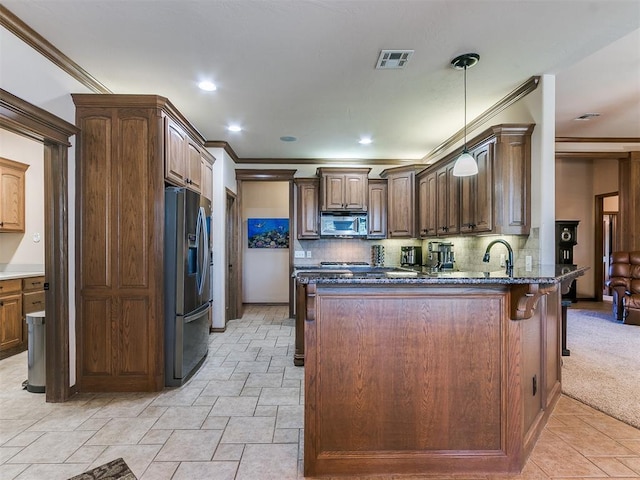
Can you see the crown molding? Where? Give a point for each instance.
(597, 140)
(22, 117)
(36, 41)
(523, 90)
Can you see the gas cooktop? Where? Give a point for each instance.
(344, 264)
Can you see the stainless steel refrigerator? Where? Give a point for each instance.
(187, 283)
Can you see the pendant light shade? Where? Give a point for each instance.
(465, 164)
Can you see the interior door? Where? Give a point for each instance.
(231, 249)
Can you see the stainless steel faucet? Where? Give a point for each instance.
(509, 263)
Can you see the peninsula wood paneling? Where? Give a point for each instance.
(401, 379)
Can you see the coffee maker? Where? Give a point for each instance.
(440, 256)
(410, 256)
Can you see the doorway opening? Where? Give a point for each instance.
(606, 241)
(232, 308)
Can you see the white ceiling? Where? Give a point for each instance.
(305, 68)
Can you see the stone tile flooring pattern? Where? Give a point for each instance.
(241, 417)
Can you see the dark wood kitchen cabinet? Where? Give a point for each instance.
(377, 217)
(183, 162)
(343, 189)
(401, 206)
(123, 146)
(427, 214)
(476, 192)
(447, 201)
(497, 200)
(308, 222)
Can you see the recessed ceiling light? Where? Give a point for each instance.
(365, 141)
(234, 128)
(207, 86)
(288, 138)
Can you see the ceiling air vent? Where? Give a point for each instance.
(393, 59)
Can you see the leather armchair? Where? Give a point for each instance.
(619, 281)
(631, 301)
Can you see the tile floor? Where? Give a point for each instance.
(241, 417)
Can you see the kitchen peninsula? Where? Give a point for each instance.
(409, 372)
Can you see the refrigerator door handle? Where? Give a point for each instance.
(202, 252)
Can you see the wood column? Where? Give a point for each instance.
(629, 219)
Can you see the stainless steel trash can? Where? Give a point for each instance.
(36, 352)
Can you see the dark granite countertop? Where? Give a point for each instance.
(543, 274)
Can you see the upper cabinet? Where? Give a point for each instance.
(476, 192)
(496, 200)
(427, 207)
(401, 206)
(377, 221)
(183, 158)
(343, 189)
(308, 224)
(12, 185)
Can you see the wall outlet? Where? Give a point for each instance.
(299, 254)
(528, 263)
(503, 260)
(308, 253)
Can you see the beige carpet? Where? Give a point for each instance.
(603, 369)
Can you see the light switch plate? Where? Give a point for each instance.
(299, 254)
(528, 263)
(308, 253)
(503, 259)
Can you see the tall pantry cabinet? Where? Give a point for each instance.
(120, 178)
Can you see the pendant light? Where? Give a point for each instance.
(465, 164)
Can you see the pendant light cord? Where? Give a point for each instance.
(465, 108)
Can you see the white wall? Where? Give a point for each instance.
(33, 78)
(224, 178)
(265, 271)
(17, 249)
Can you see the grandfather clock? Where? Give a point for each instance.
(566, 239)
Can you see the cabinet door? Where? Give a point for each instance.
(427, 205)
(12, 185)
(207, 179)
(401, 205)
(307, 217)
(441, 201)
(377, 209)
(453, 202)
(11, 326)
(483, 219)
(194, 162)
(355, 192)
(333, 192)
(175, 150)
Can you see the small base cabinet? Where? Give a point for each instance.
(18, 298)
(12, 329)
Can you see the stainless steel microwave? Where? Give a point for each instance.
(346, 225)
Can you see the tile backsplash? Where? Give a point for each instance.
(468, 250)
